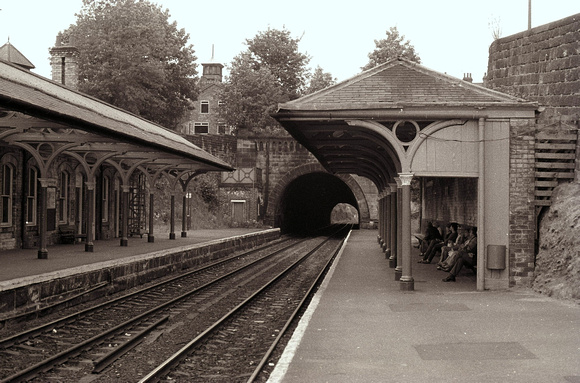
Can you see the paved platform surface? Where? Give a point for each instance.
(362, 328)
(24, 265)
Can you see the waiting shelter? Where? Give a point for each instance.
(401, 122)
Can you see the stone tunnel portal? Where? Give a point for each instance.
(308, 200)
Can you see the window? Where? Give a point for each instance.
(201, 127)
(221, 128)
(63, 197)
(31, 196)
(106, 186)
(6, 196)
(204, 107)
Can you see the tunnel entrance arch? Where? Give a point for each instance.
(305, 197)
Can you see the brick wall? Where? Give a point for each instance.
(522, 209)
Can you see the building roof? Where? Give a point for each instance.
(399, 83)
(9, 53)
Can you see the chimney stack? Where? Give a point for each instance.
(467, 77)
(64, 63)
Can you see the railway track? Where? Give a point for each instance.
(100, 343)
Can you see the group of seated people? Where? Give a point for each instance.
(457, 249)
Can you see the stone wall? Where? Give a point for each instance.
(543, 65)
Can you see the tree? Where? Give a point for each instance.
(269, 72)
(391, 47)
(320, 80)
(278, 51)
(132, 57)
(249, 94)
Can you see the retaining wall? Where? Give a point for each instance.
(82, 283)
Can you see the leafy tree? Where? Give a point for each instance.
(249, 94)
(278, 51)
(270, 71)
(132, 57)
(391, 47)
(320, 80)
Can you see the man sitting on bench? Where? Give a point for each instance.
(467, 256)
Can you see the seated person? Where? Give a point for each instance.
(451, 247)
(431, 233)
(436, 245)
(467, 256)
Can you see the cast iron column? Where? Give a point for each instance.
(125, 220)
(42, 218)
(393, 231)
(399, 268)
(387, 245)
(172, 218)
(406, 282)
(90, 216)
(150, 235)
(184, 217)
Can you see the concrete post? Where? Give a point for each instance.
(407, 282)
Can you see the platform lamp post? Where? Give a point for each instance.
(183, 216)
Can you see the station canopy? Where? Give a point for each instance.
(48, 119)
(366, 125)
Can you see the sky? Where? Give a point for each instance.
(450, 36)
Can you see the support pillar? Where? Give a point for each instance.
(125, 220)
(380, 218)
(387, 245)
(407, 283)
(45, 183)
(184, 217)
(393, 230)
(399, 268)
(150, 234)
(90, 216)
(172, 218)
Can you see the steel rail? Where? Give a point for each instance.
(173, 360)
(8, 341)
(291, 319)
(61, 357)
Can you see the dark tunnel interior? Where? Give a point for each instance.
(306, 204)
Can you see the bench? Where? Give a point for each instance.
(68, 234)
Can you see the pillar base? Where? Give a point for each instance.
(124, 242)
(392, 262)
(184, 234)
(42, 254)
(171, 235)
(398, 275)
(387, 253)
(89, 247)
(151, 238)
(407, 285)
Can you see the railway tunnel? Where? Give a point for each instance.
(307, 202)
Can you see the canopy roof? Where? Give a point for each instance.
(351, 127)
(34, 109)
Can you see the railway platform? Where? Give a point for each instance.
(361, 327)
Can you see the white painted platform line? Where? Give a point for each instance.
(290, 350)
